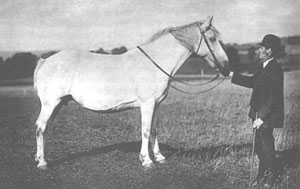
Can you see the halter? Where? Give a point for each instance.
(198, 48)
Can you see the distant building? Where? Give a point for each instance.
(292, 45)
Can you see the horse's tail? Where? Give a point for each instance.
(38, 66)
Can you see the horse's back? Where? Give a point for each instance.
(54, 74)
(67, 63)
(80, 73)
(99, 81)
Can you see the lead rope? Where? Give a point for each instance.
(215, 58)
(199, 92)
(174, 79)
(170, 76)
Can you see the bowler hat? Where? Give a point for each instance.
(271, 41)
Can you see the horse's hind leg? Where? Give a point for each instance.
(154, 133)
(47, 108)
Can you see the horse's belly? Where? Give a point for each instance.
(110, 107)
(101, 99)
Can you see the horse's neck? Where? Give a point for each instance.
(168, 53)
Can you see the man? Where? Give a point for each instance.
(266, 107)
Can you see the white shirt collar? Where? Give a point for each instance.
(266, 62)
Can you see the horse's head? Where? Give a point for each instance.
(210, 47)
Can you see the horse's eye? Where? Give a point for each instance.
(213, 38)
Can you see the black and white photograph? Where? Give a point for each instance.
(138, 94)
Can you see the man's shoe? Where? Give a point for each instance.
(257, 181)
(268, 185)
(272, 181)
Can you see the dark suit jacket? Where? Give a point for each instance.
(267, 100)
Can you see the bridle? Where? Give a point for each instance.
(218, 65)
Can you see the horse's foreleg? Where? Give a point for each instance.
(147, 109)
(41, 123)
(154, 133)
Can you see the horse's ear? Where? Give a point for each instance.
(207, 23)
(210, 19)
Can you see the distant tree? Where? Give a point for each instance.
(251, 53)
(295, 40)
(100, 51)
(119, 50)
(48, 54)
(1, 60)
(281, 52)
(20, 65)
(233, 57)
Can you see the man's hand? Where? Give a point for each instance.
(257, 123)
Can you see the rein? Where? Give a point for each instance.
(170, 76)
(174, 79)
(199, 92)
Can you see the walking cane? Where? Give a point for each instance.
(252, 158)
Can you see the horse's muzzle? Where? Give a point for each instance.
(225, 72)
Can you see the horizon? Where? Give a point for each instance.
(108, 49)
(49, 50)
(91, 24)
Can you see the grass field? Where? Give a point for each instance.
(206, 139)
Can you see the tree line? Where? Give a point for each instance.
(22, 64)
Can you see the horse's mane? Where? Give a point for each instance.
(160, 34)
(179, 32)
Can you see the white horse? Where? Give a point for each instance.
(108, 83)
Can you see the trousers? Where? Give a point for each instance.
(265, 149)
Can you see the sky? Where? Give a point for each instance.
(28, 25)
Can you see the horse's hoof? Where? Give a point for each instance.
(148, 166)
(159, 158)
(42, 167)
(163, 161)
